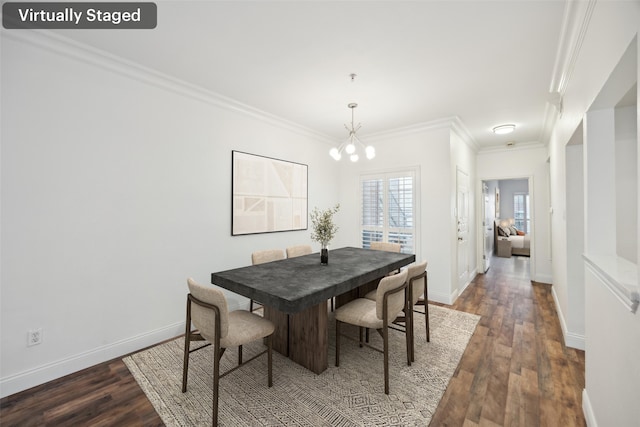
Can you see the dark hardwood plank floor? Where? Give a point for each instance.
(515, 371)
(103, 395)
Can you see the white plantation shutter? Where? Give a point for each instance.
(388, 209)
(400, 212)
(372, 211)
(521, 211)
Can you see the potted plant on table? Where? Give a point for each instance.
(324, 229)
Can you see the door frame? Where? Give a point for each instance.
(480, 230)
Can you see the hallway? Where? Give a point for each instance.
(516, 370)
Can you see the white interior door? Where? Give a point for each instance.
(463, 228)
(488, 229)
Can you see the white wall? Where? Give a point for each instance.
(429, 150)
(612, 387)
(529, 162)
(626, 177)
(571, 298)
(508, 187)
(116, 186)
(612, 332)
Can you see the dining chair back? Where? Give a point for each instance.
(299, 250)
(386, 246)
(417, 295)
(262, 257)
(378, 315)
(268, 255)
(207, 309)
(417, 281)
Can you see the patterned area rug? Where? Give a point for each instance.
(349, 395)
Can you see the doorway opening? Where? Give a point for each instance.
(507, 208)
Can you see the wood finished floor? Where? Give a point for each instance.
(515, 371)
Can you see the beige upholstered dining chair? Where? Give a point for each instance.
(261, 257)
(386, 246)
(207, 309)
(378, 314)
(299, 250)
(417, 295)
(268, 255)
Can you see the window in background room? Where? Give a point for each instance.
(388, 209)
(521, 211)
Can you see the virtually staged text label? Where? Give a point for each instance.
(79, 15)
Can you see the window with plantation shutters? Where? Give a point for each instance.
(521, 211)
(388, 209)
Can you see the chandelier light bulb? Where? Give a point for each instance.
(335, 153)
(371, 152)
(350, 148)
(354, 158)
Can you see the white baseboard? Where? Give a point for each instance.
(24, 380)
(442, 298)
(574, 340)
(543, 278)
(473, 274)
(587, 410)
(571, 339)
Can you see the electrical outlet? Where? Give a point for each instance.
(34, 337)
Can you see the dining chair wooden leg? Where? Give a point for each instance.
(337, 343)
(408, 323)
(239, 355)
(408, 330)
(216, 380)
(426, 308)
(360, 330)
(251, 304)
(426, 316)
(385, 339)
(411, 324)
(185, 365)
(270, 359)
(187, 341)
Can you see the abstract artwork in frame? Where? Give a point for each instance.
(269, 195)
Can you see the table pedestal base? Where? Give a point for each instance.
(303, 336)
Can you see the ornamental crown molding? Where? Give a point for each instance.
(64, 46)
(575, 23)
(448, 123)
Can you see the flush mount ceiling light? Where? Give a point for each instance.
(353, 144)
(504, 129)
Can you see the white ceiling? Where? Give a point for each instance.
(487, 62)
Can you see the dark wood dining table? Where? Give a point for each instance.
(295, 291)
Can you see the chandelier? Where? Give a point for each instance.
(353, 144)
